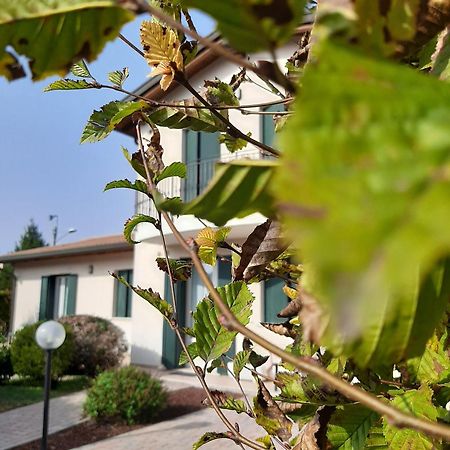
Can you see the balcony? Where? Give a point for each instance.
(198, 176)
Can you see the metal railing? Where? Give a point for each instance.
(198, 175)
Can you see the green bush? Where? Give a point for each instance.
(28, 358)
(6, 370)
(99, 344)
(126, 394)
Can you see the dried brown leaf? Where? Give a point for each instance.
(283, 329)
(269, 415)
(262, 246)
(312, 317)
(292, 309)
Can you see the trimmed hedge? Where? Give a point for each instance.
(99, 344)
(28, 358)
(127, 394)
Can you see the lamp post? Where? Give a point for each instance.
(49, 336)
(57, 238)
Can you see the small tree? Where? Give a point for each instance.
(31, 238)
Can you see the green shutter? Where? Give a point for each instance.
(43, 305)
(268, 125)
(209, 152)
(122, 306)
(71, 294)
(191, 157)
(171, 347)
(274, 300)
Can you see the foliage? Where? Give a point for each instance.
(6, 369)
(99, 345)
(29, 28)
(356, 204)
(31, 238)
(127, 394)
(28, 358)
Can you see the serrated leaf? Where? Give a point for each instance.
(369, 153)
(192, 349)
(419, 401)
(239, 362)
(133, 222)
(138, 185)
(181, 269)
(225, 401)
(186, 117)
(253, 25)
(53, 35)
(118, 77)
(257, 360)
(269, 415)
(161, 50)
(176, 169)
(172, 204)
(213, 339)
(220, 93)
(150, 296)
(375, 439)
(68, 85)
(232, 143)
(349, 427)
(262, 246)
(102, 122)
(215, 364)
(80, 69)
(238, 188)
(283, 329)
(135, 162)
(208, 241)
(433, 366)
(208, 437)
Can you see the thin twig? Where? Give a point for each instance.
(130, 44)
(249, 406)
(232, 130)
(189, 20)
(394, 415)
(265, 113)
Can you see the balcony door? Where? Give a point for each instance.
(201, 151)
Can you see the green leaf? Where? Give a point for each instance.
(208, 241)
(238, 188)
(180, 269)
(132, 223)
(80, 69)
(349, 427)
(215, 364)
(220, 93)
(150, 296)
(257, 360)
(441, 58)
(232, 143)
(419, 402)
(269, 415)
(176, 169)
(185, 117)
(239, 362)
(357, 196)
(172, 204)
(266, 441)
(208, 437)
(53, 35)
(213, 339)
(192, 349)
(225, 401)
(67, 85)
(375, 439)
(118, 77)
(138, 185)
(102, 122)
(251, 25)
(135, 162)
(434, 365)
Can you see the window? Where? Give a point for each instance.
(201, 151)
(122, 302)
(274, 300)
(268, 124)
(58, 296)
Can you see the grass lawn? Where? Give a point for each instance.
(18, 392)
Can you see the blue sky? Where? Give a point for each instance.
(43, 168)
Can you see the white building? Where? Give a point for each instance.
(50, 274)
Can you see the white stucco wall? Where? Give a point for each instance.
(95, 291)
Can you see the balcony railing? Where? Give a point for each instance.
(198, 175)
